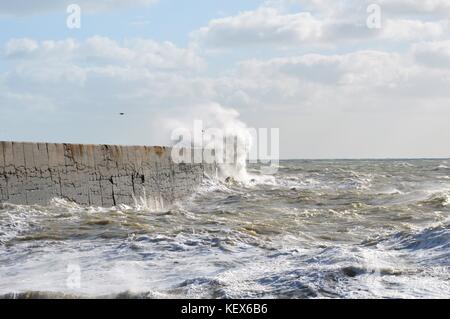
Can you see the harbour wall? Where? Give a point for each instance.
(97, 175)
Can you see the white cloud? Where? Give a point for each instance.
(103, 51)
(98, 74)
(326, 22)
(413, 30)
(25, 7)
(362, 68)
(360, 81)
(60, 84)
(402, 7)
(351, 94)
(392, 8)
(264, 25)
(18, 47)
(433, 54)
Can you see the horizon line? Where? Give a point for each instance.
(363, 158)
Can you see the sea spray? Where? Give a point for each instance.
(215, 130)
(214, 134)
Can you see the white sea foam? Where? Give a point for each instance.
(297, 236)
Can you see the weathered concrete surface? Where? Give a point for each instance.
(100, 175)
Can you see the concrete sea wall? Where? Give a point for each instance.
(99, 175)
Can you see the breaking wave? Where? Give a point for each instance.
(315, 229)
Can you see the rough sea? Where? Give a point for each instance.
(315, 229)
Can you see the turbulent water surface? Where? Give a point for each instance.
(316, 229)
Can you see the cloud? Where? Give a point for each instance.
(20, 47)
(264, 25)
(421, 7)
(361, 81)
(326, 23)
(26, 7)
(64, 85)
(57, 85)
(392, 8)
(434, 54)
(98, 50)
(98, 72)
(352, 91)
(413, 30)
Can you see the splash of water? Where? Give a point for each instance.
(235, 133)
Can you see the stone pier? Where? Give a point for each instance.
(98, 175)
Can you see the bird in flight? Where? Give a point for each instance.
(121, 113)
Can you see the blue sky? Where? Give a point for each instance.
(167, 20)
(313, 68)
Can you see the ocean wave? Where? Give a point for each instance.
(434, 238)
(441, 167)
(16, 220)
(319, 230)
(437, 200)
(62, 295)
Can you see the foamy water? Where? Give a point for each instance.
(316, 229)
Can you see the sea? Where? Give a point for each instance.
(313, 229)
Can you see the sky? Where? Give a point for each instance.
(334, 85)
